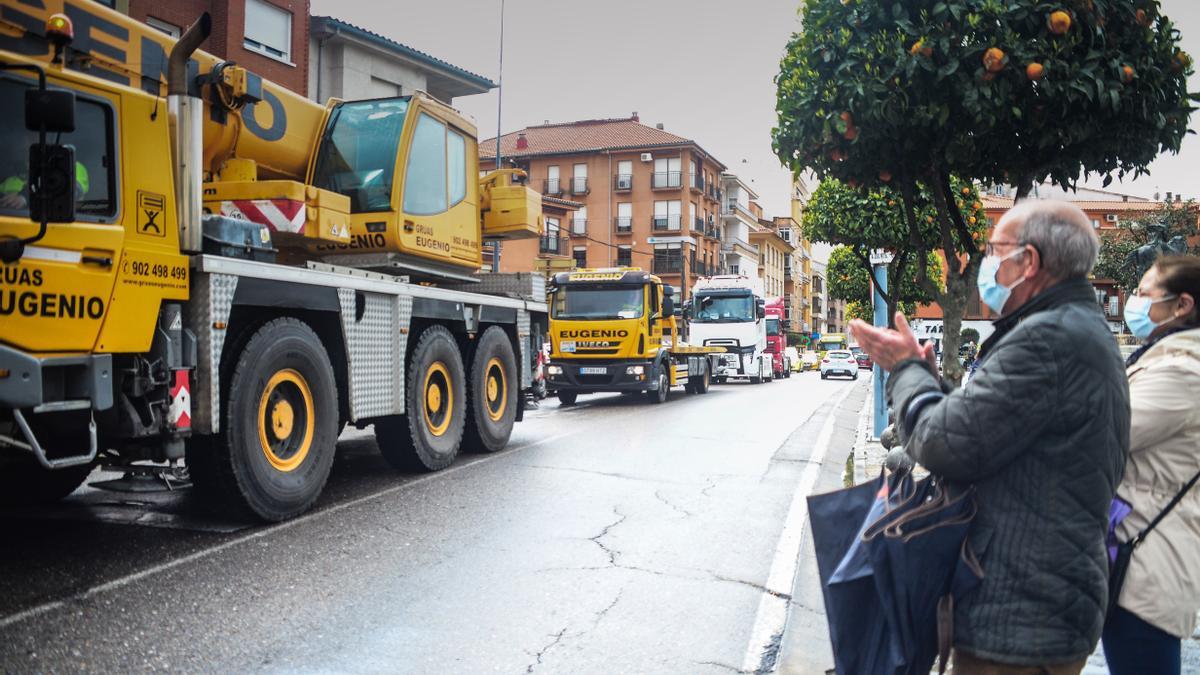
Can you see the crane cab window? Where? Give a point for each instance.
(358, 153)
(93, 140)
(436, 176)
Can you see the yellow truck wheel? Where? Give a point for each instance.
(429, 436)
(280, 425)
(664, 385)
(493, 393)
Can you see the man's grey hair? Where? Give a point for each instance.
(1062, 234)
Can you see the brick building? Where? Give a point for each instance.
(269, 37)
(649, 198)
(774, 257)
(804, 288)
(796, 283)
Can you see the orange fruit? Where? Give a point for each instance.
(966, 191)
(916, 47)
(891, 202)
(1127, 74)
(929, 219)
(1142, 17)
(977, 206)
(885, 176)
(1035, 71)
(994, 60)
(971, 220)
(1059, 22)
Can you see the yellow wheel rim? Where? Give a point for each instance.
(495, 389)
(286, 420)
(439, 399)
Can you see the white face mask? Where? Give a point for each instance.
(992, 292)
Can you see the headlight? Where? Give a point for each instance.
(635, 370)
(554, 370)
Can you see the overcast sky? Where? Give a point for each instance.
(703, 68)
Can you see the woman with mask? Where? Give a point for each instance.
(1160, 595)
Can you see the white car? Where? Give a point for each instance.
(839, 362)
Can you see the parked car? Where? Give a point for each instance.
(793, 358)
(864, 360)
(839, 362)
(809, 360)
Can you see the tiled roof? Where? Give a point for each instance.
(403, 50)
(547, 199)
(994, 202)
(624, 133)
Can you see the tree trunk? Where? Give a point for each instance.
(954, 303)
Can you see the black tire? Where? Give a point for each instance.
(824, 376)
(492, 393)
(755, 380)
(24, 482)
(429, 435)
(662, 393)
(854, 376)
(273, 469)
(690, 386)
(703, 381)
(567, 397)
(721, 379)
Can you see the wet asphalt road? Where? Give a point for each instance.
(612, 536)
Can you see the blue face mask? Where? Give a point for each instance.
(992, 292)
(1137, 315)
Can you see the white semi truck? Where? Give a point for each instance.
(729, 311)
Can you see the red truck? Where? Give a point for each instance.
(777, 338)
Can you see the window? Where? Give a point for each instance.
(624, 180)
(425, 178)
(667, 260)
(666, 172)
(667, 214)
(553, 186)
(625, 256)
(624, 217)
(357, 157)
(1095, 223)
(597, 302)
(550, 241)
(580, 256)
(579, 222)
(579, 184)
(456, 163)
(268, 30)
(95, 156)
(168, 28)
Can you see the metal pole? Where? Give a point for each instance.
(881, 320)
(499, 108)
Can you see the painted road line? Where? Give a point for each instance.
(771, 617)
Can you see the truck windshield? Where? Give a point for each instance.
(358, 152)
(723, 309)
(772, 327)
(584, 302)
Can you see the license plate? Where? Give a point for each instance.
(593, 371)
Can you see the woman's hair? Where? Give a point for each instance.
(1181, 274)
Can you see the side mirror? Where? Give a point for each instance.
(668, 306)
(760, 308)
(687, 312)
(51, 183)
(51, 109)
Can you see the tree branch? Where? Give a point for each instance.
(866, 262)
(915, 238)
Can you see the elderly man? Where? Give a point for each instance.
(1042, 431)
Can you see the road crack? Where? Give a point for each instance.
(676, 508)
(611, 553)
(751, 584)
(542, 652)
(718, 664)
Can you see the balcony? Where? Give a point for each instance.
(787, 271)
(667, 223)
(671, 265)
(729, 208)
(713, 233)
(622, 182)
(552, 186)
(579, 226)
(698, 224)
(553, 244)
(579, 185)
(696, 182)
(666, 180)
(623, 225)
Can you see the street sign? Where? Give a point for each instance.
(881, 256)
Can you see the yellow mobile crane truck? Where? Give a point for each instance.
(200, 265)
(616, 330)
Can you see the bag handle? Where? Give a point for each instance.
(1166, 510)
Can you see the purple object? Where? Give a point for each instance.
(1116, 513)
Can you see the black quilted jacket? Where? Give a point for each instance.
(1042, 430)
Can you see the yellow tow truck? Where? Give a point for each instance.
(616, 330)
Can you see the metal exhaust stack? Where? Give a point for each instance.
(188, 143)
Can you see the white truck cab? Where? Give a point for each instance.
(728, 311)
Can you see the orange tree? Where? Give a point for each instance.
(851, 280)
(911, 94)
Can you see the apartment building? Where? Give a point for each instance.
(774, 258)
(739, 217)
(819, 298)
(648, 198)
(796, 288)
(800, 196)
